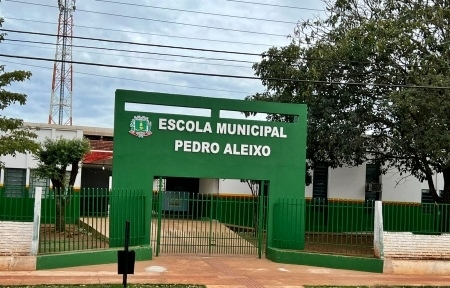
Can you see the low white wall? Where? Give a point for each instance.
(17, 263)
(15, 238)
(416, 267)
(406, 245)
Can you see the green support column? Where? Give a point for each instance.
(286, 217)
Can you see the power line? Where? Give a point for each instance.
(135, 51)
(135, 43)
(228, 75)
(212, 51)
(159, 20)
(185, 24)
(276, 5)
(135, 80)
(196, 12)
(147, 33)
(130, 67)
(224, 51)
(127, 56)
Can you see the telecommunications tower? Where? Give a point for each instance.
(61, 97)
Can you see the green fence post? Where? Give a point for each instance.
(438, 222)
(147, 210)
(158, 232)
(210, 223)
(260, 225)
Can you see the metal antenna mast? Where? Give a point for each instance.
(61, 97)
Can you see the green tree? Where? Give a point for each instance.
(54, 157)
(375, 77)
(14, 136)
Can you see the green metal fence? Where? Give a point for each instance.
(59, 229)
(417, 218)
(18, 206)
(336, 227)
(183, 222)
(340, 227)
(85, 224)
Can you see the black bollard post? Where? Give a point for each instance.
(127, 243)
(126, 258)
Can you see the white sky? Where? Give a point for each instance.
(93, 96)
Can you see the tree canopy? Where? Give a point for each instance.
(14, 136)
(54, 157)
(375, 77)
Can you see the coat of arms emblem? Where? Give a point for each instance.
(140, 126)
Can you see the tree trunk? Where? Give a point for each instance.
(60, 219)
(432, 188)
(73, 174)
(60, 207)
(256, 192)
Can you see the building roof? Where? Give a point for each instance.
(94, 131)
(100, 139)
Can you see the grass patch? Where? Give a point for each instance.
(111, 286)
(358, 244)
(74, 238)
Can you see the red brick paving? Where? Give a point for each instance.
(216, 272)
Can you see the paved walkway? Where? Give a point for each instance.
(186, 236)
(216, 272)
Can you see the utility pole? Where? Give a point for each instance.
(61, 95)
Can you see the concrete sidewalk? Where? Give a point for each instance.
(216, 272)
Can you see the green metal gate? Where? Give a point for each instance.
(183, 222)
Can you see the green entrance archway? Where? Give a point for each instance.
(148, 145)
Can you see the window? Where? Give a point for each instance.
(35, 181)
(373, 185)
(427, 202)
(320, 192)
(320, 181)
(15, 182)
(426, 196)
